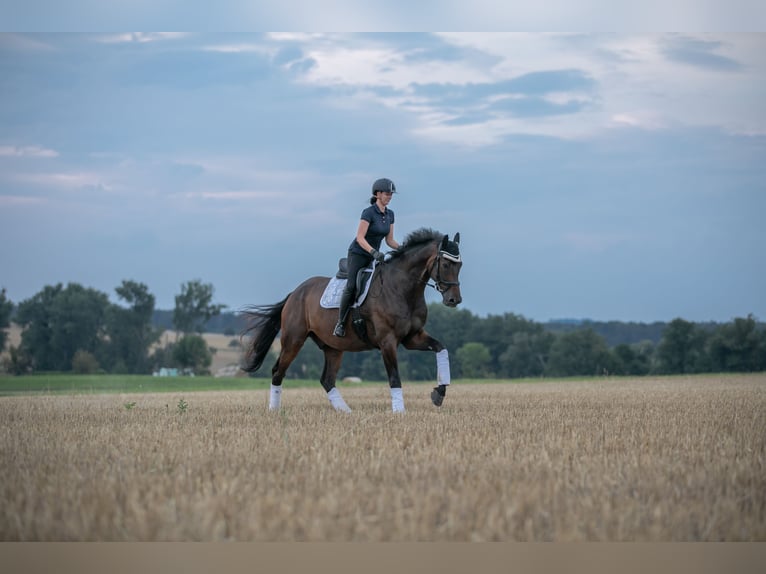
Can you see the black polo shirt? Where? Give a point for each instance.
(380, 225)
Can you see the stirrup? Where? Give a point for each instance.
(340, 330)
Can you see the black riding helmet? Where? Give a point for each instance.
(383, 184)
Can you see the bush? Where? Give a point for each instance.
(193, 353)
(18, 362)
(84, 363)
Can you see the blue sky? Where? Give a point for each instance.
(606, 176)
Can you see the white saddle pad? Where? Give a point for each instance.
(331, 297)
(332, 293)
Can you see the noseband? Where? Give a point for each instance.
(440, 284)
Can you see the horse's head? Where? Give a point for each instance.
(446, 270)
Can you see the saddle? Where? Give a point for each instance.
(362, 277)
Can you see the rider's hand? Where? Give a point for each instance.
(377, 256)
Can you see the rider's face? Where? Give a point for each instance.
(384, 197)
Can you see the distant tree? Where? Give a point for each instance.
(372, 368)
(268, 363)
(632, 359)
(475, 360)
(416, 365)
(496, 332)
(308, 364)
(192, 352)
(6, 307)
(130, 331)
(84, 363)
(58, 321)
(162, 356)
(452, 327)
(580, 352)
(527, 354)
(682, 349)
(736, 346)
(194, 307)
(18, 362)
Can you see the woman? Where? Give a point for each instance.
(377, 222)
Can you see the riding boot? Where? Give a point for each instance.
(345, 303)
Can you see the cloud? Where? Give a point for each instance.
(698, 53)
(63, 180)
(243, 48)
(27, 151)
(139, 37)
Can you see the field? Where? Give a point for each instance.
(662, 459)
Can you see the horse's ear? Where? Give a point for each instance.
(445, 239)
(457, 238)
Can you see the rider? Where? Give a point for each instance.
(377, 222)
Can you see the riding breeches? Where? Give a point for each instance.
(356, 261)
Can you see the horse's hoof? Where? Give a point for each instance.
(436, 398)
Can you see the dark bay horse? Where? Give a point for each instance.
(394, 313)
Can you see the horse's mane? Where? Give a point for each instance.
(416, 239)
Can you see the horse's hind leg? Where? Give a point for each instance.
(332, 360)
(290, 348)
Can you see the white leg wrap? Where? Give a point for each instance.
(275, 398)
(337, 401)
(442, 367)
(397, 400)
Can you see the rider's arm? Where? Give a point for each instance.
(361, 231)
(390, 241)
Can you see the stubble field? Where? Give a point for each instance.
(676, 459)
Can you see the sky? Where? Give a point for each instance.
(610, 176)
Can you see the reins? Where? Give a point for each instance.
(438, 283)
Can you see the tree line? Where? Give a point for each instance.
(74, 328)
(77, 329)
(511, 346)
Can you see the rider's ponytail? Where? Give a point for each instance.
(373, 199)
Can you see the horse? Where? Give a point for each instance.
(393, 313)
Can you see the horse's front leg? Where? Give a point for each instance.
(388, 350)
(422, 341)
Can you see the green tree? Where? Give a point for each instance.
(308, 364)
(58, 321)
(475, 360)
(6, 307)
(580, 352)
(84, 363)
(736, 346)
(496, 333)
(192, 352)
(527, 354)
(682, 348)
(17, 362)
(130, 329)
(453, 327)
(194, 307)
(632, 359)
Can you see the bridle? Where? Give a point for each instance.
(440, 284)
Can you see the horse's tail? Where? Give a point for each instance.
(263, 323)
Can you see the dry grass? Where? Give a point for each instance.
(628, 460)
